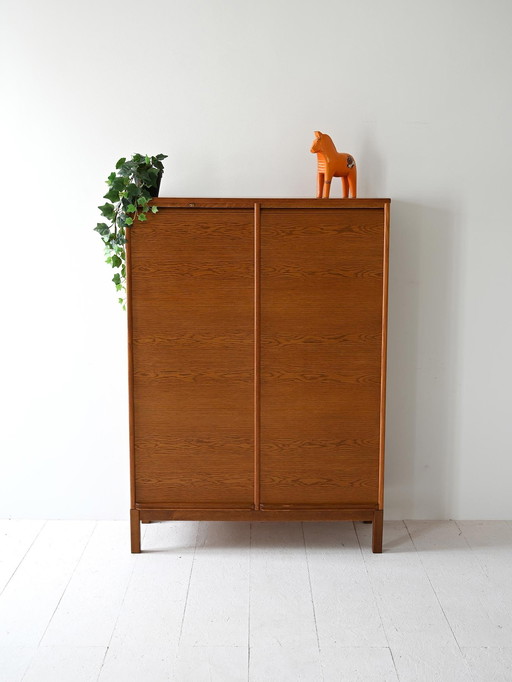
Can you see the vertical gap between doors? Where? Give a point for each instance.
(257, 295)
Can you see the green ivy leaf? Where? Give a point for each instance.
(129, 221)
(116, 261)
(107, 210)
(111, 195)
(102, 229)
(142, 217)
(154, 209)
(119, 184)
(125, 170)
(120, 163)
(116, 278)
(131, 208)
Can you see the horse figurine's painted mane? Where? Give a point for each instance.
(333, 164)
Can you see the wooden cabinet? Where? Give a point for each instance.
(257, 346)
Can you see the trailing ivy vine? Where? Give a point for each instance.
(131, 186)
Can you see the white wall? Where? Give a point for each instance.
(419, 92)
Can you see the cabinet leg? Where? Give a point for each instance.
(135, 530)
(377, 530)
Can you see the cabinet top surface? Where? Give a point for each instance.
(191, 202)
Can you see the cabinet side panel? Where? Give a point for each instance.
(192, 279)
(321, 340)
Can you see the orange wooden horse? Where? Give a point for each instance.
(333, 164)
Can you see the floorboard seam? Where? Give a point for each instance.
(249, 610)
(188, 586)
(312, 599)
(128, 583)
(23, 557)
(68, 582)
(375, 600)
(418, 554)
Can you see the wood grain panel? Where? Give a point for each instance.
(321, 337)
(192, 341)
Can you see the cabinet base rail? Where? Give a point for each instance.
(138, 516)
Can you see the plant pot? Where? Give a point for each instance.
(156, 188)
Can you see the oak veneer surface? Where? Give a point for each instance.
(321, 335)
(191, 295)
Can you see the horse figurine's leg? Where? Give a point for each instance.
(319, 185)
(327, 186)
(344, 186)
(352, 182)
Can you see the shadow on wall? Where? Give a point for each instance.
(422, 360)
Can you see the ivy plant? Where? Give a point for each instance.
(131, 186)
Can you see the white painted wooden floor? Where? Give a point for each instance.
(255, 602)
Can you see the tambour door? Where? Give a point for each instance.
(321, 324)
(192, 316)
